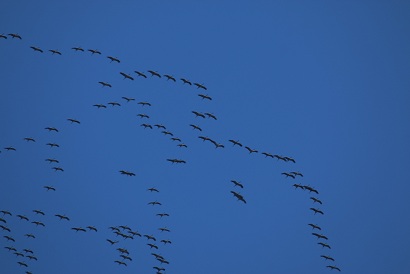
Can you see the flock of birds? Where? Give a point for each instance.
(125, 232)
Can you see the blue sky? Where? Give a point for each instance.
(324, 82)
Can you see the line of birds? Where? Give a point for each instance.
(237, 195)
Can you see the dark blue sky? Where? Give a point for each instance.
(323, 82)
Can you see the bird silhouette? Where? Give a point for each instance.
(39, 212)
(22, 217)
(327, 258)
(185, 81)
(100, 106)
(316, 200)
(267, 154)
(37, 49)
(73, 121)
(316, 210)
(169, 77)
(288, 175)
(112, 242)
(30, 236)
(146, 126)
(126, 76)
(49, 188)
(140, 74)
(159, 126)
(52, 145)
(142, 115)
(53, 51)
(3, 36)
(113, 59)
(200, 86)
(154, 203)
(58, 169)
(235, 143)
(9, 238)
(144, 104)
(167, 133)
(319, 236)
(166, 241)
(210, 115)
(150, 237)
(5, 228)
(90, 227)
(78, 49)
(163, 215)
(203, 96)
(51, 129)
(195, 127)
(94, 51)
(198, 114)
(5, 212)
(238, 196)
(154, 73)
(251, 150)
(152, 246)
(332, 267)
(52, 160)
(324, 245)
(114, 104)
(236, 183)
(28, 139)
(15, 35)
(120, 263)
(128, 99)
(77, 229)
(104, 84)
(37, 223)
(164, 229)
(22, 264)
(62, 217)
(10, 148)
(153, 189)
(315, 226)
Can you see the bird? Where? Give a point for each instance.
(53, 51)
(15, 35)
(9, 238)
(200, 86)
(90, 227)
(37, 223)
(158, 268)
(182, 145)
(22, 264)
(162, 261)
(52, 145)
(124, 172)
(113, 59)
(120, 263)
(19, 254)
(52, 160)
(62, 217)
(166, 241)
(153, 189)
(135, 233)
(324, 245)
(176, 139)
(3, 36)
(146, 126)
(204, 138)
(198, 114)
(125, 257)
(296, 173)
(78, 229)
(28, 251)
(37, 49)
(152, 246)
(140, 74)
(4, 221)
(319, 236)
(77, 49)
(154, 203)
(311, 189)
(73, 121)
(28, 139)
(177, 161)
(210, 115)
(195, 127)
(5, 228)
(267, 154)
(10, 148)
(316, 210)
(236, 183)
(167, 133)
(10, 248)
(163, 215)
(203, 96)
(123, 250)
(159, 126)
(100, 106)
(51, 129)
(39, 212)
(315, 226)
(5, 212)
(289, 159)
(49, 188)
(142, 115)
(32, 257)
(114, 104)
(238, 196)
(251, 150)
(316, 200)
(94, 51)
(235, 143)
(58, 169)
(128, 99)
(169, 77)
(288, 175)
(164, 229)
(150, 237)
(327, 258)
(154, 73)
(104, 84)
(30, 236)
(185, 81)
(126, 76)
(144, 104)
(22, 217)
(112, 242)
(332, 267)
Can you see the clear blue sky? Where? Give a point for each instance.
(324, 82)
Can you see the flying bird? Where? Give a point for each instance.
(52, 160)
(159, 126)
(39, 212)
(166, 241)
(169, 77)
(51, 129)
(120, 263)
(28, 251)
(15, 35)
(9, 238)
(182, 145)
(203, 96)
(153, 189)
(236, 183)
(49, 188)
(3, 36)
(210, 115)
(200, 86)
(316, 200)
(238, 196)
(150, 237)
(73, 121)
(112, 242)
(316, 210)
(198, 114)
(163, 215)
(5, 212)
(154, 73)
(94, 51)
(77, 49)
(53, 51)
(52, 145)
(30, 236)
(144, 104)
(58, 169)
(124, 172)
(332, 267)
(288, 175)
(152, 246)
(186, 81)
(315, 226)
(126, 76)
(22, 264)
(100, 106)
(142, 115)
(125, 257)
(296, 173)
(164, 229)
(146, 126)
(167, 133)
(289, 159)
(327, 258)
(37, 49)
(78, 229)
(140, 74)
(28, 139)
(177, 161)
(176, 139)
(319, 236)
(62, 217)
(10, 148)
(10, 248)
(267, 154)
(128, 99)
(195, 127)
(22, 217)
(324, 245)
(235, 143)
(154, 203)
(114, 104)
(37, 223)
(5, 228)
(104, 84)
(4, 221)
(113, 59)
(90, 227)
(251, 150)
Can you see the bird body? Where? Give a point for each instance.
(37, 49)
